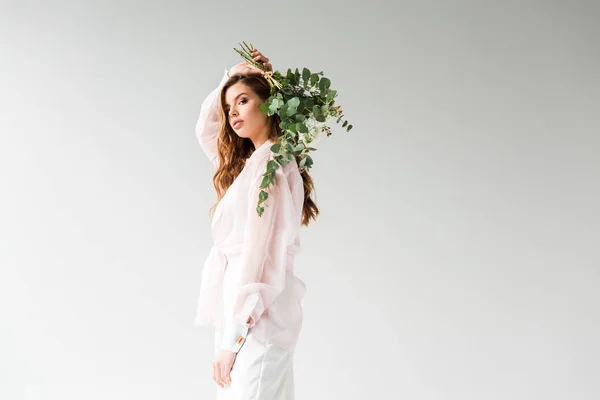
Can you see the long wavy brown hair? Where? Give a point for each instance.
(234, 150)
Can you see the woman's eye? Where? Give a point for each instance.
(227, 109)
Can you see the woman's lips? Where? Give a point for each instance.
(237, 124)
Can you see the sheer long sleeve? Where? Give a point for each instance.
(264, 256)
(207, 127)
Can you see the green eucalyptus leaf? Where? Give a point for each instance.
(272, 166)
(305, 75)
(292, 106)
(293, 102)
(330, 95)
(309, 161)
(275, 148)
(265, 182)
(314, 78)
(324, 84)
(283, 111)
(274, 106)
(301, 127)
(305, 162)
(262, 196)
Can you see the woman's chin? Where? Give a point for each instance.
(241, 134)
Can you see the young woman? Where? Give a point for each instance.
(249, 292)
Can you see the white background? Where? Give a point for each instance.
(456, 254)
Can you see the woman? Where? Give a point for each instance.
(249, 292)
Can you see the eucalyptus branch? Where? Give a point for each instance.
(305, 105)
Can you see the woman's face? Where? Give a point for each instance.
(243, 113)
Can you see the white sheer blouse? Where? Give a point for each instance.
(267, 299)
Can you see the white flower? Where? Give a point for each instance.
(315, 130)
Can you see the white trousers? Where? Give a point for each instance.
(262, 370)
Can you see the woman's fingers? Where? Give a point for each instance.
(217, 375)
(261, 58)
(245, 69)
(257, 55)
(225, 374)
(265, 62)
(221, 373)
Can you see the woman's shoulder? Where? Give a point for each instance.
(289, 171)
(288, 167)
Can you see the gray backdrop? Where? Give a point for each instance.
(456, 254)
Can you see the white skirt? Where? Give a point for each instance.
(262, 370)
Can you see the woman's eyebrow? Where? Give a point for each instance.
(236, 97)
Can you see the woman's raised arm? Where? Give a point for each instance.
(207, 127)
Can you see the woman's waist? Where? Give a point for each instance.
(232, 249)
(293, 286)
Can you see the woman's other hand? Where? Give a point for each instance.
(244, 68)
(222, 366)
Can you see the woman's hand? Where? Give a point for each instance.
(244, 68)
(222, 366)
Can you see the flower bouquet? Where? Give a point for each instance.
(305, 105)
